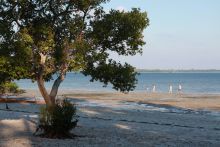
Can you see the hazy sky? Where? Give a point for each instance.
(183, 34)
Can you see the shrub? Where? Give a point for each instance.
(9, 87)
(57, 121)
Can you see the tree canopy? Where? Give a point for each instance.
(42, 38)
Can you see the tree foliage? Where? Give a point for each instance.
(42, 38)
(9, 87)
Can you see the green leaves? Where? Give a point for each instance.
(85, 4)
(57, 121)
(8, 87)
(120, 31)
(122, 77)
(43, 35)
(42, 38)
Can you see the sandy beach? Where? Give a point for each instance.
(117, 119)
(182, 100)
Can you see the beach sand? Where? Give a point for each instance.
(117, 119)
(187, 101)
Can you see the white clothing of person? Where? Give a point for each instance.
(154, 89)
(171, 89)
(179, 88)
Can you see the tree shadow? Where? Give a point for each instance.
(16, 131)
(148, 126)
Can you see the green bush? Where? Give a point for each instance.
(57, 121)
(9, 87)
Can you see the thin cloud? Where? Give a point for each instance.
(121, 8)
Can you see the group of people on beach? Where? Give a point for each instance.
(170, 89)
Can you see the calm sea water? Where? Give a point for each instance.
(191, 82)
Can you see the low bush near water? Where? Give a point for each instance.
(57, 121)
(9, 87)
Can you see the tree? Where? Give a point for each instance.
(42, 38)
(6, 84)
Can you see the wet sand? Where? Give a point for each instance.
(187, 101)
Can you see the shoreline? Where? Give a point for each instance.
(210, 102)
(114, 91)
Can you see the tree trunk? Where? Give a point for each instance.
(40, 81)
(50, 98)
(54, 90)
(44, 93)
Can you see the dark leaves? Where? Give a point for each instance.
(69, 35)
(122, 77)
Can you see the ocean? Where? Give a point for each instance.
(207, 83)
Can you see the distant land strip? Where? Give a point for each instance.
(172, 71)
(178, 71)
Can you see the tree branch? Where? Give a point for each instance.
(43, 91)
(58, 81)
(55, 87)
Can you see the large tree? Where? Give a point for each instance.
(43, 38)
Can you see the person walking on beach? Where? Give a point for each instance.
(180, 88)
(146, 88)
(154, 89)
(171, 89)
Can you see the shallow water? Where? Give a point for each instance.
(191, 82)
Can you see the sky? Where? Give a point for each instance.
(183, 34)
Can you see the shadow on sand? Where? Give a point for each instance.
(101, 126)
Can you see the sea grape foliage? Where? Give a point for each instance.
(43, 38)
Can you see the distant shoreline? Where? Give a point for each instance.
(172, 71)
(177, 71)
